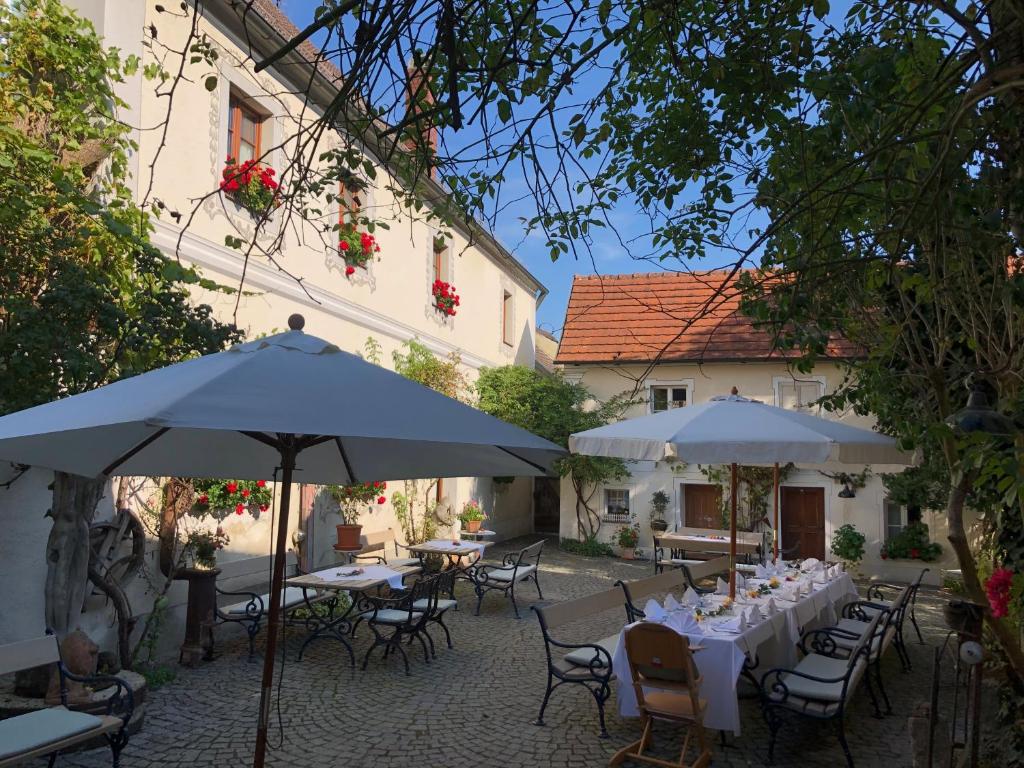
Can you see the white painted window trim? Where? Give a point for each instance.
(507, 286)
(431, 312)
(688, 384)
(604, 502)
(335, 261)
(777, 381)
(885, 518)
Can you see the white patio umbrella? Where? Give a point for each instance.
(291, 402)
(736, 430)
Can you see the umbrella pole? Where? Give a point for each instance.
(775, 505)
(732, 537)
(288, 452)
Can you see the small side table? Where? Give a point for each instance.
(483, 533)
(348, 553)
(199, 618)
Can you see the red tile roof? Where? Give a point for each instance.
(691, 317)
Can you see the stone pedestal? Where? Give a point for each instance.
(200, 616)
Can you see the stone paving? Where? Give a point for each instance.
(474, 705)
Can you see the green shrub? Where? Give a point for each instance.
(912, 543)
(589, 547)
(848, 544)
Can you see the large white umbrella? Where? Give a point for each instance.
(291, 402)
(736, 430)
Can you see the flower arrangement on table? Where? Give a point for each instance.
(356, 248)
(773, 582)
(203, 546)
(760, 590)
(353, 498)
(251, 184)
(706, 613)
(220, 498)
(445, 298)
(472, 516)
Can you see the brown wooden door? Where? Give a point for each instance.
(803, 520)
(702, 506)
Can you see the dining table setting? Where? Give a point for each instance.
(748, 635)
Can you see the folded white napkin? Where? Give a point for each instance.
(790, 592)
(684, 623)
(741, 582)
(834, 572)
(690, 597)
(736, 624)
(753, 615)
(653, 611)
(721, 587)
(762, 572)
(771, 609)
(819, 577)
(809, 563)
(671, 604)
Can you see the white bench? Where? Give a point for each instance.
(52, 730)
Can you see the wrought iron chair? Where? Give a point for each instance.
(637, 590)
(375, 548)
(695, 573)
(399, 616)
(250, 611)
(820, 687)
(515, 568)
(440, 606)
(667, 686)
(875, 594)
(585, 664)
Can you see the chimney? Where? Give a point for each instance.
(419, 98)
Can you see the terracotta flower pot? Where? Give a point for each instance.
(472, 526)
(626, 553)
(348, 536)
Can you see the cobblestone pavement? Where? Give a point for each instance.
(474, 705)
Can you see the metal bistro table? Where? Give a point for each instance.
(453, 550)
(338, 626)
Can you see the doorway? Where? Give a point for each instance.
(546, 505)
(702, 506)
(803, 521)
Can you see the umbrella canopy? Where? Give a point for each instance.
(205, 418)
(735, 429)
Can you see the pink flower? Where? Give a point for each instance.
(997, 588)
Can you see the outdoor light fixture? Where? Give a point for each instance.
(979, 415)
(847, 492)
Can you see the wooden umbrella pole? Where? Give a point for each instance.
(288, 451)
(775, 506)
(732, 537)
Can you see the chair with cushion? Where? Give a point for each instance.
(436, 610)
(667, 686)
(674, 559)
(55, 729)
(588, 664)
(377, 547)
(820, 687)
(400, 616)
(515, 568)
(877, 593)
(635, 592)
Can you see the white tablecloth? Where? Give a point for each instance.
(770, 643)
(447, 545)
(393, 577)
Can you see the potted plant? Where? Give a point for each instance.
(250, 184)
(356, 248)
(352, 499)
(848, 545)
(659, 503)
(912, 543)
(203, 546)
(445, 298)
(627, 537)
(472, 516)
(220, 498)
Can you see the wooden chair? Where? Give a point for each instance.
(585, 664)
(667, 687)
(55, 729)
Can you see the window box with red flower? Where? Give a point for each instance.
(445, 298)
(221, 498)
(352, 500)
(250, 184)
(356, 248)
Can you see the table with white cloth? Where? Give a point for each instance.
(765, 645)
(356, 580)
(458, 553)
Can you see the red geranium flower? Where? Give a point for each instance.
(381, 500)
(204, 499)
(245, 493)
(261, 483)
(263, 507)
(343, 245)
(997, 589)
(349, 271)
(239, 509)
(231, 487)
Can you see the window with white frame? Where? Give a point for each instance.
(664, 396)
(616, 504)
(898, 517)
(798, 394)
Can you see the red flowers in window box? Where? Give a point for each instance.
(445, 298)
(219, 498)
(251, 184)
(356, 248)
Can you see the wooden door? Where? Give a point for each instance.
(702, 506)
(803, 520)
(546, 506)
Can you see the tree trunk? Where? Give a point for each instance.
(176, 499)
(1002, 630)
(67, 549)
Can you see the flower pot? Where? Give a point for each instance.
(659, 525)
(348, 537)
(626, 553)
(472, 526)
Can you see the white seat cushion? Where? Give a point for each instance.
(442, 605)
(34, 730)
(682, 561)
(291, 597)
(391, 616)
(582, 657)
(746, 567)
(505, 574)
(818, 666)
(858, 627)
(399, 562)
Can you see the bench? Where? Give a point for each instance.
(585, 664)
(375, 547)
(55, 729)
(250, 611)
